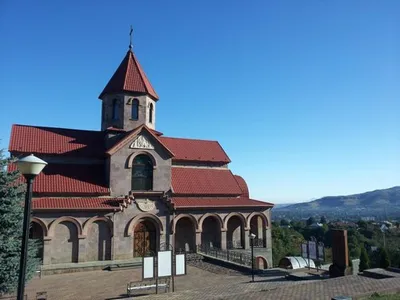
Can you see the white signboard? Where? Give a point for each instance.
(321, 252)
(164, 263)
(312, 248)
(304, 250)
(148, 267)
(180, 264)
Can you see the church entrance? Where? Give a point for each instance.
(144, 239)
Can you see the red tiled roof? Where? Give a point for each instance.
(76, 203)
(56, 141)
(129, 77)
(195, 150)
(243, 186)
(206, 202)
(70, 179)
(198, 181)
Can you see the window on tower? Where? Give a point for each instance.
(151, 113)
(142, 173)
(135, 109)
(115, 112)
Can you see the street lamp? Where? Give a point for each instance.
(29, 166)
(252, 237)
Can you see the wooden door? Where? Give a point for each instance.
(144, 240)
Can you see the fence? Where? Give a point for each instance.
(228, 255)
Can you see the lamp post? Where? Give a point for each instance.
(29, 166)
(252, 237)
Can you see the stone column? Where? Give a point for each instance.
(223, 239)
(198, 238)
(340, 253)
(46, 251)
(246, 241)
(82, 249)
(260, 228)
(268, 238)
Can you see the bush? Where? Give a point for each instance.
(364, 260)
(384, 260)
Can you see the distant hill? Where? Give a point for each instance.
(377, 199)
(282, 205)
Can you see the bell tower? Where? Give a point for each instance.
(128, 100)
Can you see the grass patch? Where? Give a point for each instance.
(383, 297)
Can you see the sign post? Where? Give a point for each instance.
(313, 249)
(164, 264)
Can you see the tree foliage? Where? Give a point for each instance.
(364, 260)
(285, 242)
(384, 259)
(310, 221)
(284, 222)
(11, 220)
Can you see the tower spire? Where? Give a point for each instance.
(130, 38)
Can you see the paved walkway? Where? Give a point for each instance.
(321, 289)
(205, 283)
(101, 285)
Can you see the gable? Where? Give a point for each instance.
(140, 138)
(141, 142)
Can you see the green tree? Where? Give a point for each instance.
(11, 218)
(384, 259)
(364, 260)
(310, 220)
(284, 222)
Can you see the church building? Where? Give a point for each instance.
(128, 190)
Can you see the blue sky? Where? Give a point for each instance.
(303, 95)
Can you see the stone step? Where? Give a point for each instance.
(379, 273)
(88, 266)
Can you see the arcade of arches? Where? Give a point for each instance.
(66, 240)
(211, 230)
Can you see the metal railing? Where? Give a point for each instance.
(234, 245)
(259, 243)
(228, 255)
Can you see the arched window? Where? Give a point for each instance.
(151, 113)
(115, 111)
(135, 109)
(142, 173)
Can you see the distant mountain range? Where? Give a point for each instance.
(375, 200)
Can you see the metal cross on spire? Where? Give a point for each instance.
(130, 38)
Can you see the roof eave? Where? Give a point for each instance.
(76, 209)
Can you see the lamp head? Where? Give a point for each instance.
(30, 166)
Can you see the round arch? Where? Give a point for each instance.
(181, 216)
(42, 225)
(239, 215)
(64, 219)
(261, 262)
(132, 156)
(263, 217)
(89, 222)
(215, 216)
(131, 224)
